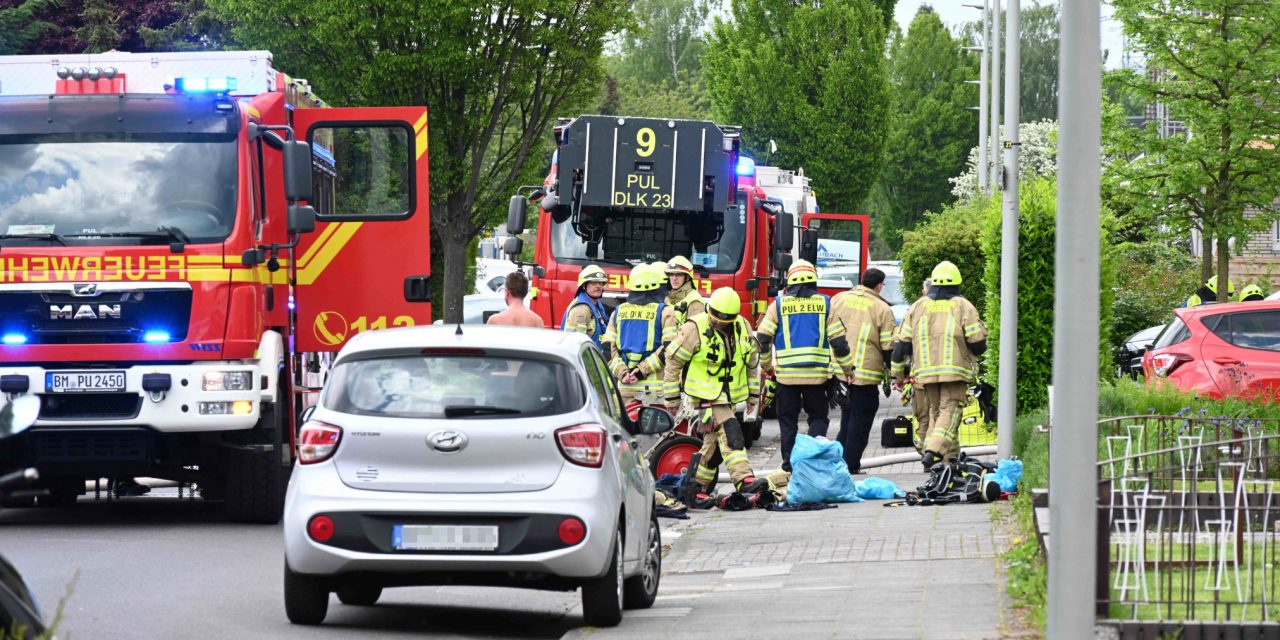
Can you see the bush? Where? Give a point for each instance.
(1036, 250)
(1126, 397)
(1151, 279)
(953, 234)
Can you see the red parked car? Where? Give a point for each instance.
(1220, 350)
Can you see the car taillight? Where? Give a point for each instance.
(320, 528)
(317, 441)
(1164, 364)
(583, 444)
(571, 531)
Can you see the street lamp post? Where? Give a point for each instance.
(1007, 400)
(982, 98)
(995, 94)
(1074, 454)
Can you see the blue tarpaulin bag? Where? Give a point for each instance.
(819, 473)
(878, 489)
(1008, 473)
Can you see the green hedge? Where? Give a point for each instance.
(952, 234)
(1036, 249)
(1151, 280)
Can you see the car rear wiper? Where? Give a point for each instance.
(172, 234)
(35, 236)
(460, 410)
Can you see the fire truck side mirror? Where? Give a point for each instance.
(781, 262)
(784, 232)
(809, 245)
(302, 218)
(516, 212)
(513, 246)
(297, 170)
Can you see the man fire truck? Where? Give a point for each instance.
(179, 237)
(622, 191)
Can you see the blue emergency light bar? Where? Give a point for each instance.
(746, 166)
(156, 336)
(15, 338)
(204, 85)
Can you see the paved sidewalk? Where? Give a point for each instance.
(856, 571)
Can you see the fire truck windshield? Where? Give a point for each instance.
(80, 188)
(634, 238)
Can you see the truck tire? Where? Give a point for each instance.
(602, 597)
(641, 590)
(256, 480)
(306, 600)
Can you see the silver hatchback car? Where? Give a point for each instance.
(490, 456)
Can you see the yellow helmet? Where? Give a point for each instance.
(1251, 290)
(680, 264)
(592, 273)
(725, 303)
(643, 278)
(801, 272)
(1213, 286)
(946, 274)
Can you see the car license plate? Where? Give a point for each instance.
(84, 381)
(433, 537)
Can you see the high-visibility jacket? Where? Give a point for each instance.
(711, 364)
(634, 338)
(940, 332)
(868, 324)
(686, 303)
(585, 315)
(801, 330)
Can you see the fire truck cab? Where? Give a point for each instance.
(183, 238)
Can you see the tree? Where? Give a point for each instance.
(955, 234)
(813, 77)
(99, 32)
(195, 28)
(19, 26)
(1039, 62)
(665, 41)
(1037, 158)
(1213, 64)
(934, 127)
(494, 75)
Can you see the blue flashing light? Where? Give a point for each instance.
(746, 166)
(156, 336)
(15, 338)
(202, 85)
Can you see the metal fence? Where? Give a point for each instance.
(1189, 526)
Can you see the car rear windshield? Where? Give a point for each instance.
(1253, 330)
(453, 386)
(1175, 332)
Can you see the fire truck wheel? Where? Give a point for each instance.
(256, 480)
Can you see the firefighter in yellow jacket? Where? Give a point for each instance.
(586, 313)
(684, 298)
(638, 331)
(801, 327)
(945, 336)
(868, 323)
(714, 361)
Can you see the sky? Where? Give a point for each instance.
(954, 13)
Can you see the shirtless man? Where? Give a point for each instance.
(516, 315)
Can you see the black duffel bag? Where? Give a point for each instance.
(896, 432)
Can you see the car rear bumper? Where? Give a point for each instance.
(529, 549)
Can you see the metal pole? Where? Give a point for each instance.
(995, 94)
(983, 94)
(1008, 399)
(1074, 455)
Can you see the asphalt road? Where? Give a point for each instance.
(159, 567)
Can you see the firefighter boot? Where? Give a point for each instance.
(689, 487)
(929, 459)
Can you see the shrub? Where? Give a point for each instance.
(1151, 279)
(952, 234)
(1036, 250)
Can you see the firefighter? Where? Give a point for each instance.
(684, 298)
(637, 333)
(945, 336)
(919, 410)
(714, 361)
(804, 331)
(1208, 292)
(1251, 293)
(586, 314)
(868, 320)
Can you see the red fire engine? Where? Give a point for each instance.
(622, 191)
(184, 236)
